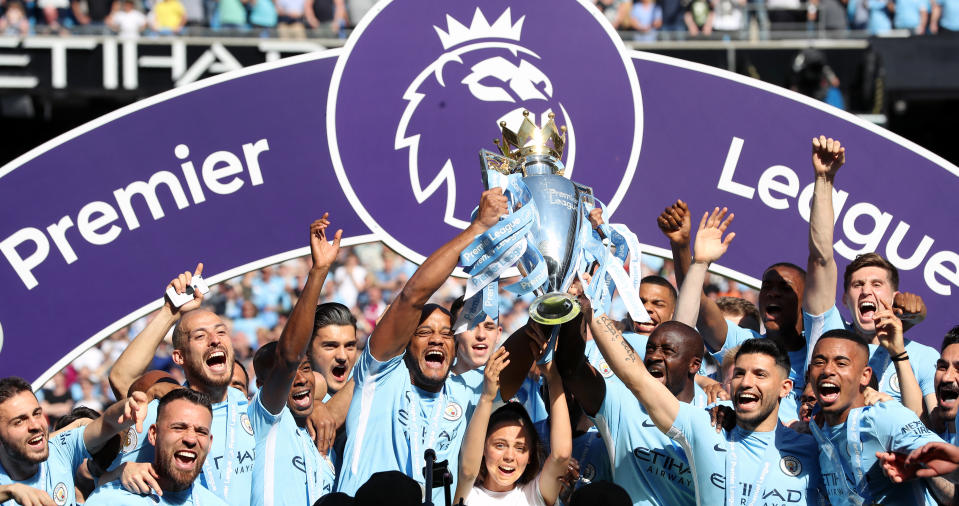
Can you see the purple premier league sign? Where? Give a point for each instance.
(384, 134)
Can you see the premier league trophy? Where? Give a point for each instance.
(553, 238)
(547, 235)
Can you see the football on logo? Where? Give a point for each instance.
(436, 78)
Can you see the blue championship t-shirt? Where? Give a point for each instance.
(528, 394)
(231, 428)
(789, 405)
(884, 427)
(55, 475)
(391, 423)
(774, 468)
(922, 358)
(290, 469)
(113, 494)
(649, 465)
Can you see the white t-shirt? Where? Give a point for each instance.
(524, 495)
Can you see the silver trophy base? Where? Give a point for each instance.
(554, 308)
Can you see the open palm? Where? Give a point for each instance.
(710, 245)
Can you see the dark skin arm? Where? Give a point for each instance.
(291, 348)
(521, 356)
(579, 377)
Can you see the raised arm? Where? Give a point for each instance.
(137, 356)
(395, 330)
(659, 402)
(821, 272)
(579, 377)
(674, 222)
(471, 453)
(560, 438)
(710, 246)
(291, 348)
(115, 419)
(889, 333)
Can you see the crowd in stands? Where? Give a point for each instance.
(351, 377)
(640, 20)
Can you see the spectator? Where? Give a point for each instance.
(728, 16)
(699, 17)
(910, 15)
(945, 16)
(168, 17)
(616, 11)
(252, 321)
(356, 9)
(740, 311)
(673, 18)
(878, 21)
(829, 15)
(326, 12)
(350, 279)
(787, 14)
(646, 17)
(56, 398)
(14, 21)
(128, 22)
(263, 16)
(290, 19)
(230, 14)
(88, 395)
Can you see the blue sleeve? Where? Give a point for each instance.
(260, 417)
(735, 336)
(690, 422)
(70, 448)
(902, 428)
(368, 368)
(814, 326)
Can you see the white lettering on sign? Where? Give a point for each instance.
(861, 229)
(98, 222)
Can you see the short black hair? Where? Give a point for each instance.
(456, 307)
(263, 360)
(661, 281)
(332, 313)
(952, 337)
(768, 347)
(239, 363)
(11, 386)
(187, 394)
(848, 336)
(788, 265)
(428, 309)
(74, 415)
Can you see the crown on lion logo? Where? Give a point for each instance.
(532, 140)
(456, 33)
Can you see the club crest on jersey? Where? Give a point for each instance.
(894, 383)
(455, 71)
(129, 440)
(245, 422)
(60, 494)
(453, 412)
(790, 465)
(604, 369)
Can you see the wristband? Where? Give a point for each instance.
(900, 357)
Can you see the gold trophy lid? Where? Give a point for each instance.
(532, 140)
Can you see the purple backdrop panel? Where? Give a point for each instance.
(258, 174)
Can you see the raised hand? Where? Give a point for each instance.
(134, 410)
(596, 217)
(323, 252)
(909, 306)
(493, 204)
(710, 245)
(494, 366)
(675, 223)
(827, 156)
(180, 284)
(889, 329)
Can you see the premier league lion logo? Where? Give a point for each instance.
(435, 79)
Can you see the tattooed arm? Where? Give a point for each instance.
(661, 405)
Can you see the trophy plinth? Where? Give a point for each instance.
(554, 308)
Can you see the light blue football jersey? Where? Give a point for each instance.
(922, 358)
(391, 423)
(848, 459)
(113, 494)
(789, 405)
(649, 465)
(290, 469)
(589, 450)
(55, 475)
(231, 428)
(739, 467)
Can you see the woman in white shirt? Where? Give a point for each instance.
(501, 460)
